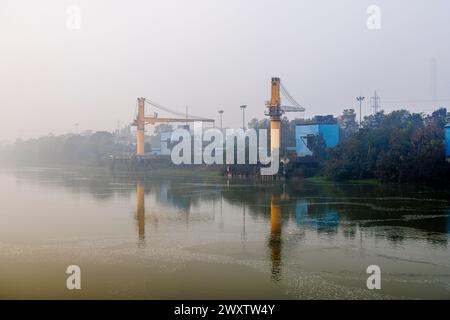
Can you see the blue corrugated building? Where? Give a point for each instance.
(447, 141)
(328, 131)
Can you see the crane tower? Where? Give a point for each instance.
(276, 110)
(275, 115)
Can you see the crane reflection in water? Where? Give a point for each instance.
(270, 231)
(327, 220)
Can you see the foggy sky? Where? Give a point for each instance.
(211, 55)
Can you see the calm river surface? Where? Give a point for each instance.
(187, 238)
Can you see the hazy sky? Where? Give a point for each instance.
(210, 55)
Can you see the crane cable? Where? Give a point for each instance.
(158, 106)
(288, 96)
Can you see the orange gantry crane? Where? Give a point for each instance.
(141, 120)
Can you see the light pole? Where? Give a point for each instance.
(243, 116)
(360, 100)
(220, 115)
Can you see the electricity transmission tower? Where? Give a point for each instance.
(375, 103)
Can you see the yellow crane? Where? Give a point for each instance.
(141, 120)
(276, 110)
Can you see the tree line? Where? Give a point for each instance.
(70, 149)
(400, 147)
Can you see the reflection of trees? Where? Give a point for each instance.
(390, 211)
(382, 210)
(98, 184)
(324, 208)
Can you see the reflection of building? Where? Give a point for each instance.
(326, 220)
(306, 134)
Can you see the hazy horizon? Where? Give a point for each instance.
(213, 55)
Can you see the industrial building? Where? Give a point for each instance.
(329, 132)
(160, 144)
(447, 138)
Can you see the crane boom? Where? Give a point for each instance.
(141, 120)
(153, 120)
(292, 109)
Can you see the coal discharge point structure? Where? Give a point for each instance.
(275, 115)
(276, 110)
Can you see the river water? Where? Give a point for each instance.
(208, 238)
